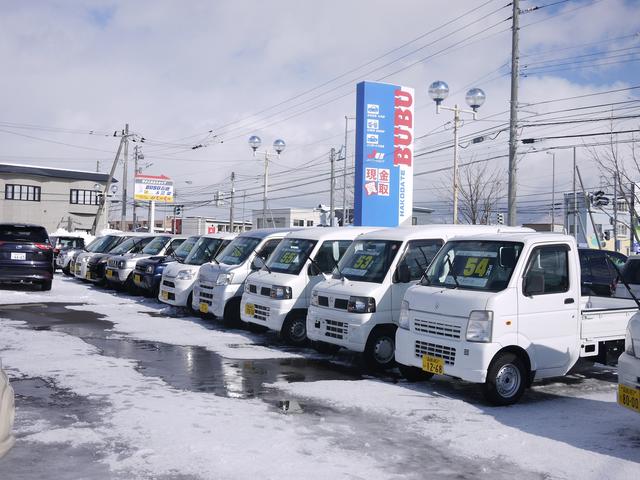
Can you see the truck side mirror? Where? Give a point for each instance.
(533, 284)
(313, 270)
(507, 257)
(403, 274)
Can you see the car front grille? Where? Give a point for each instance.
(336, 329)
(439, 329)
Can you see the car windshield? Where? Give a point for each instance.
(474, 265)
(65, 242)
(203, 251)
(156, 245)
(104, 244)
(182, 252)
(290, 255)
(368, 260)
(15, 233)
(238, 250)
(131, 245)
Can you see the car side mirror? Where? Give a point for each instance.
(533, 284)
(313, 270)
(403, 274)
(257, 263)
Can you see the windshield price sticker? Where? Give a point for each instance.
(288, 258)
(477, 267)
(363, 262)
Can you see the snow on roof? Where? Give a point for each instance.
(40, 171)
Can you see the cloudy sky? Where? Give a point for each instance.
(209, 74)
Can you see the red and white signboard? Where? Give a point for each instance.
(153, 188)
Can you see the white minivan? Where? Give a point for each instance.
(278, 296)
(358, 308)
(178, 278)
(220, 285)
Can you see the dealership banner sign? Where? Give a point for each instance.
(384, 155)
(153, 188)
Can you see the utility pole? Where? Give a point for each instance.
(233, 179)
(103, 199)
(137, 155)
(265, 190)
(98, 166)
(587, 204)
(456, 175)
(575, 197)
(244, 199)
(124, 179)
(632, 207)
(615, 212)
(344, 173)
(332, 159)
(513, 118)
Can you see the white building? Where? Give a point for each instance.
(51, 197)
(287, 217)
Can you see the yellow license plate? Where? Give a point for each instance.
(629, 397)
(204, 308)
(88, 276)
(250, 309)
(433, 364)
(137, 278)
(165, 295)
(109, 273)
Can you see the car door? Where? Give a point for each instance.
(416, 258)
(548, 305)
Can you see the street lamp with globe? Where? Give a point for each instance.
(279, 146)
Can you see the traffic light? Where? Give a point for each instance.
(177, 211)
(500, 218)
(599, 200)
(607, 234)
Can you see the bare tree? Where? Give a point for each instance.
(480, 189)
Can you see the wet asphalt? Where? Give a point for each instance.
(197, 369)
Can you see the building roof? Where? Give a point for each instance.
(48, 172)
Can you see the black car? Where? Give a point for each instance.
(598, 276)
(64, 242)
(26, 255)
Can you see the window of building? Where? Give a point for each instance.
(83, 197)
(309, 223)
(298, 223)
(27, 193)
(622, 230)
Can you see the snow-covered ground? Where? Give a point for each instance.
(369, 428)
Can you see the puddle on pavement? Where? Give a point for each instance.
(183, 367)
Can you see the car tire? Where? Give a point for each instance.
(379, 352)
(414, 374)
(67, 272)
(45, 286)
(231, 315)
(506, 380)
(294, 330)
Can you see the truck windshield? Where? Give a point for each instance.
(290, 255)
(182, 252)
(368, 260)
(131, 245)
(474, 265)
(156, 245)
(203, 251)
(238, 250)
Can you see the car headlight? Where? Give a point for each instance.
(185, 275)
(361, 305)
(224, 279)
(403, 319)
(281, 293)
(628, 343)
(480, 326)
(314, 298)
(150, 269)
(122, 264)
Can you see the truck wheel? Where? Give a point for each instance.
(506, 380)
(46, 285)
(414, 374)
(379, 353)
(294, 329)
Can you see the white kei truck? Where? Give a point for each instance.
(278, 295)
(358, 308)
(504, 310)
(219, 285)
(629, 367)
(178, 278)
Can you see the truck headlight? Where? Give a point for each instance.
(403, 319)
(314, 298)
(361, 305)
(122, 264)
(280, 293)
(628, 343)
(480, 326)
(185, 275)
(150, 269)
(224, 278)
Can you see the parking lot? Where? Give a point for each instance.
(114, 386)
